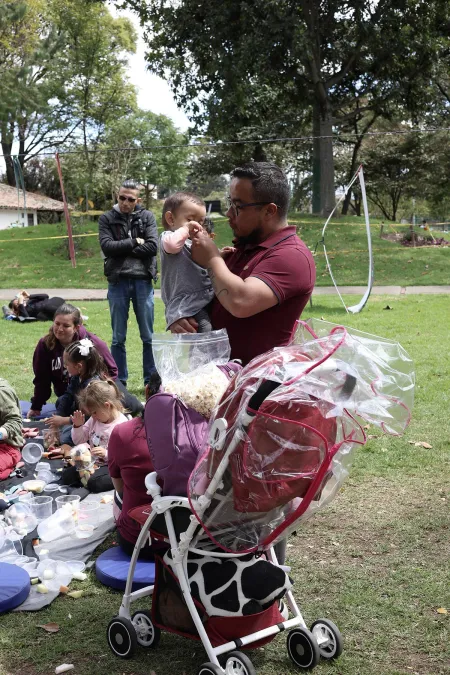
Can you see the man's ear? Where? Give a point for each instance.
(138, 200)
(271, 209)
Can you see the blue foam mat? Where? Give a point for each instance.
(14, 586)
(111, 569)
(47, 410)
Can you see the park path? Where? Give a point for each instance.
(100, 293)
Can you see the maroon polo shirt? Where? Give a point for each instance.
(287, 266)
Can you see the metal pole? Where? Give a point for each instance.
(66, 213)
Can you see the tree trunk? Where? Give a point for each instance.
(259, 153)
(316, 196)
(327, 190)
(7, 142)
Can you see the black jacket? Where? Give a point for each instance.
(123, 256)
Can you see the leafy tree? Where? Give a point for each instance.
(270, 65)
(63, 75)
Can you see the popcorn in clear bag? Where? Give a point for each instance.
(200, 390)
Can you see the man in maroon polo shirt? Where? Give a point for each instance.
(262, 288)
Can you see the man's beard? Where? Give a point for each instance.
(255, 237)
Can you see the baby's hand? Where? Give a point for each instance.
(55, 421)
(193, 227)
(226, 250)
(98, 452)
(78, 419)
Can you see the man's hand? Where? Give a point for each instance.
(203, 249)
(33, 413)
(186, 325)
(78, 419)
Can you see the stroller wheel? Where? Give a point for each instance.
(328, 638)
(147, 634)
(303, 648)
(122, 637)
(210, 669)
(239, 664)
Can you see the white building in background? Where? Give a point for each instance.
(13, 212)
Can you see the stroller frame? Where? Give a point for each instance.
(305, 648)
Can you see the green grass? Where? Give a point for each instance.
(376, 561)
(30, 259)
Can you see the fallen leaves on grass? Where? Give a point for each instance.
(442, 610)
(421, 444)
(49, 627)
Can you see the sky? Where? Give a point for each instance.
(154, 93)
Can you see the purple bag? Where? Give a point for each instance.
(175, 435)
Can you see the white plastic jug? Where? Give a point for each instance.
(60, 524)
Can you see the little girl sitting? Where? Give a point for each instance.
(101, 400)
(84, 364)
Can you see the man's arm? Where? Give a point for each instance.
(241, 297)
(110, 247)
(150, 246)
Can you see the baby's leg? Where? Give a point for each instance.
(204, 322)
(9, 456)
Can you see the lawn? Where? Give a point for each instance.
(376, 561)
(34, 258)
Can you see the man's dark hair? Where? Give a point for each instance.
(130, 184)
(173, 202)
(269, 183)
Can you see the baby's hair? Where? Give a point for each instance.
(95, 364)
(99, 392)
(174, 202)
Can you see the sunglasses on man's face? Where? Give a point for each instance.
(122, 198)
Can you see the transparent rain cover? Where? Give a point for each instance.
(284, 456)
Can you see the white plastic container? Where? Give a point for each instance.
(47, 476)
(21, 517)
(42, 507)
(9, 547)
(54, 574)
(32, 453)
(60, 524)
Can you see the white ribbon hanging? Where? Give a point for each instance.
(358, 307)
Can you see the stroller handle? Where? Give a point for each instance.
(263, 391)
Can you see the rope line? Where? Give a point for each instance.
(244, 141)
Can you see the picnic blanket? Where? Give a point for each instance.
(66, 548)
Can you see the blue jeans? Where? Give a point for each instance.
(140, 292)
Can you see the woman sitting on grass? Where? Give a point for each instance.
(48, 361)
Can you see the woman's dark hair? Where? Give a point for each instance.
(269, 184)
(63, 310)
(95, 365)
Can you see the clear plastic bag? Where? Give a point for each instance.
(187, 365)
(179, 355)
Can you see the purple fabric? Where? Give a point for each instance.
(48, 367)
(175, 435)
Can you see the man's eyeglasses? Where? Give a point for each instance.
(122, 198)
(238, 207)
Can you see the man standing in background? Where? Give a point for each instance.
(129, 241)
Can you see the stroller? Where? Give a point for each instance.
(278, 449)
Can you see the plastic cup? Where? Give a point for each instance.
(42, 507)
(21, 517)
(42, 551)
(64, 501)
(46, 476)
(43, 466)
(51, 487)
(9, 547)
(32, 453)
